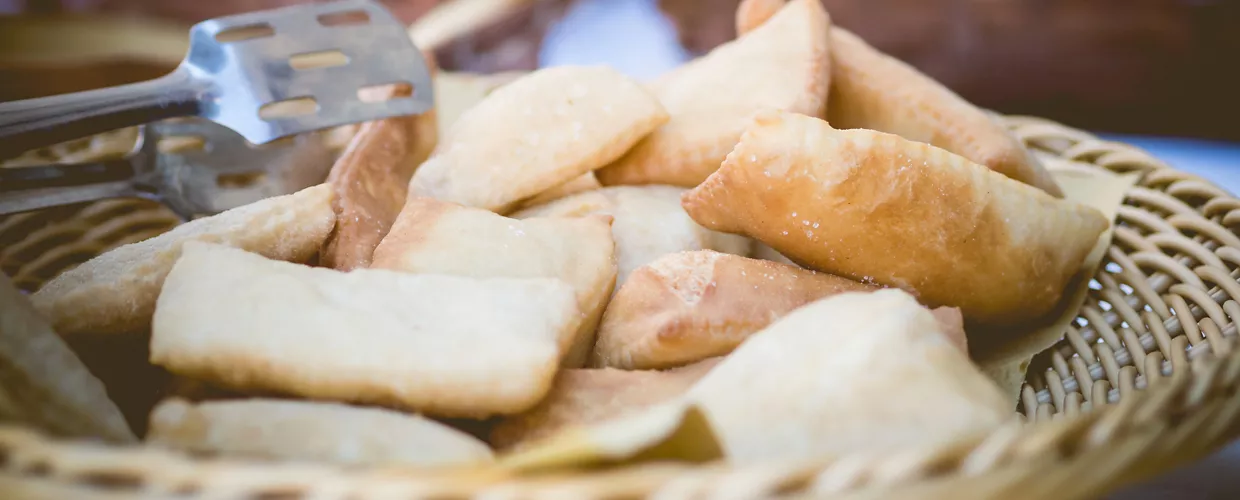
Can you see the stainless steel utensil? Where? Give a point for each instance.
(203, 169)
(265, 75)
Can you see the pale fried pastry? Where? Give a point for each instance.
(589, 396)
(587, 182)
(455, 93)
(876, 207)
(857, 372)
(535, 133)
(371, 180)
(43, 384)
(312, 432)
(872, 90)
(784, 64)
(115, 293)
(689, 306)
(442, 345)
(433, 236)
(649, 223)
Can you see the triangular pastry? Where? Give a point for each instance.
(872, 90)
(589, 396)
(649, 223)
(784, 64)
(857, 372)
(438, 237)
(442, 345)
(115, 292)
(879, 208)
(535, 133)
(311, 432)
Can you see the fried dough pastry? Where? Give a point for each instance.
(311, 431)
(444, 345)
(689, 306)
(587, 182)
(536, 133)
(857, 372)
(879, 208)
(589, 396)
(115, 293)
(43, 383)
(455, 93)
(649, 223)
(371, 180)
(433, 236)
(872, 90)
(784, 64)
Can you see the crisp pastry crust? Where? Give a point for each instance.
(589, 396)
(873, 90)
(712, 98)
(879, 208)
(442, 345)
(115, 293)
(535, 133)
(854, 373)
(648, 223)
(312, 432)
(433, 236)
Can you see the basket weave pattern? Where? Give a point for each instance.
(1146, 379)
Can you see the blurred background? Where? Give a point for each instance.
(1162, 74)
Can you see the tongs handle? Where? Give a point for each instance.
(31, 188)
(44, 121)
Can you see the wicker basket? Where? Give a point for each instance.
(1133, 389)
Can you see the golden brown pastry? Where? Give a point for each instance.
(443, 345)
(115, 293)
(784, 64)
(872, 90)
(879, 208)
(371, 180)
(649, 223)
(689, 306)
(438, 237)
(313, 432)
(853, 373)
(583, 397)
(535, 133)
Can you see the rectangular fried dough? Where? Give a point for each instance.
(115, 293)
(443, 345)
(433, 236)
(535, 133)
(312, 431)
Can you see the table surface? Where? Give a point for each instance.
(633, 37)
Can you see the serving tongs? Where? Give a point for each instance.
(193, 166)
(265, 75)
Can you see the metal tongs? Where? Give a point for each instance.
(265, 75)
(193, 166)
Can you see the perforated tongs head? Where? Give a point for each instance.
(193, 166)
(266, 75)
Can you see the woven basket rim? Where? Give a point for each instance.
(1074, 449)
